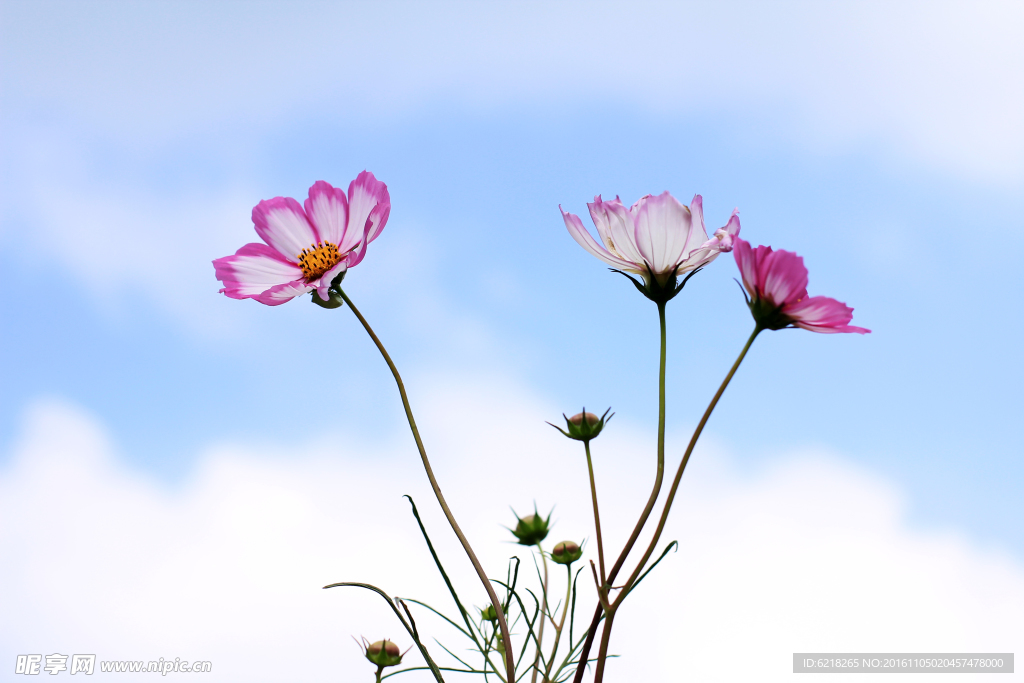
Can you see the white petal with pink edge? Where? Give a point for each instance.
(252, 270)
(327, 210)
(283, 225)
(587, 241)
(662, 226)
(364, 194)
(275, 296)
(378, 219)
(615, 226)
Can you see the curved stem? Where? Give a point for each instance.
(543, 615)
(659, 477)
(682, 467)
(597, 515)
(509, 664)
(647, 509)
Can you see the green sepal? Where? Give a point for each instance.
(334, 299)
(658, 292)
(532, 529)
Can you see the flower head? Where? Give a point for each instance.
(531, 529)
(657, 238)
(306, 247)
(584, 426)
(383, 653)
(566, 552)
(776, 282)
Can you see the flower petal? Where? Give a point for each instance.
(364, 194)
(279, 294)
(379, 216)
(747, 263)
(822, 314)
(252, 270)
(662, 227)
(783, 277)
(283, 225)
(327, 210)
(587, 241)
(698, 235)
(727, 233)
(615, 226)
(324, 283)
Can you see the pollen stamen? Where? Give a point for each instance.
(317, 259)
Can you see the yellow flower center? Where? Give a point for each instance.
(317, 259)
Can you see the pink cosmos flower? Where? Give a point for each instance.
(777, 284)
(657, 238)
(307, 249)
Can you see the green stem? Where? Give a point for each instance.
(509, 664)
(602, 653)
(682, 467)
(661, 456)
(380, 670)
(585, 653)
(561, 623)
(543, 615)
(597, 515)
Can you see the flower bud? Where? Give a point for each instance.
(584, 426)
(499, 644)
(488, 614)
(532, 529)
(566, 552)
(383, 653)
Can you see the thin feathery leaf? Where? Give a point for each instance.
(670, 546)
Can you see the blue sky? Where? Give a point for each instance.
(882, 143)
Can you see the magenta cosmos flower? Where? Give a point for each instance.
(307, 249)
(777, 284)
(657, 238)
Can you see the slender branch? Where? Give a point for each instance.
(597, 515)
(543, 616)
(602, 653)
(682, 466)
(561, 623)
(509, 663)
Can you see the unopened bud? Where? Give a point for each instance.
(499, 644)
(566, 552)
(384, 653)
(532, 529)
(488, 614)
(584, 426)
(578, 418)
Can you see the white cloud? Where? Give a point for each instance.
(810, 554)
(937, 81)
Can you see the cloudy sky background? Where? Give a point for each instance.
(179, 472)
